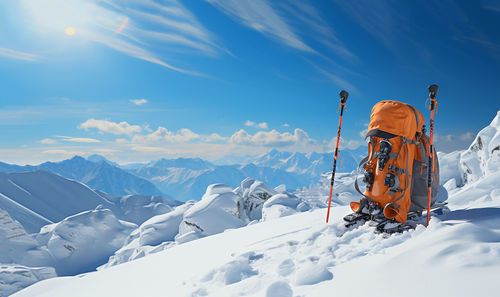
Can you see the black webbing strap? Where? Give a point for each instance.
(405, 142)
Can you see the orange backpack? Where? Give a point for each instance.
(395, 170)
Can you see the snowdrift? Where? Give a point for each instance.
(220, 209)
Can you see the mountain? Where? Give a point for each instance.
(98, 158)
(480, 159)
(39, 198)
(98, 175)
(313, 164)
(187, 179)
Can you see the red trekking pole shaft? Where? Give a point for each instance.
(433, 90)
(343, 98)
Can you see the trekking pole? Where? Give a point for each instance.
(343, 99)
(433, 90)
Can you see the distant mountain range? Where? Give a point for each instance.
(100, 175)
(187, 178)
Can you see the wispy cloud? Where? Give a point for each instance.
(290, 22)
(262, 17)
(339, 81)
(47, 141)
(18, 55)
(381, 19)
(78, 139)
(146, 30)
(138, 101)
(61, 152)
(493, 5)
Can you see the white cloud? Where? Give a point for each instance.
(162, 134)
(451, 142)
(79, 139)
(286, 125)
(241, 137)
(138, 101)
(47, 141)
(214, 137)
(122, 128)
(271, 138)
(249, 123)
(469, 136)
(343, 144)
(262, 125)
(149, 149)
(17, 55)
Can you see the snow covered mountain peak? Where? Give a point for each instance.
(483, 155)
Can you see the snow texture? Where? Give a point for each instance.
(84, 241)
(16, 277)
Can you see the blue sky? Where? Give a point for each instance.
(140, 80)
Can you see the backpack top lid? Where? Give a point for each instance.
(396, 118)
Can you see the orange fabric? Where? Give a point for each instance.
(355, 206)
(397, 118)
(380, 193)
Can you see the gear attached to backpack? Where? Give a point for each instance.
(398, 152)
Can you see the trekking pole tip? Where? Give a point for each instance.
(433, 91)
(343, 96)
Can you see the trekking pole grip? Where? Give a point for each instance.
(343, 96)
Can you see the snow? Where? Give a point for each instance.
(39, 198)
(300, 255)
(84, 241)
(218, 247)
(15, 277)
(150, 236)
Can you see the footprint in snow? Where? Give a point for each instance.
(286, 267)
(279, 289)
(311, 273)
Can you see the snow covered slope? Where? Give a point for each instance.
(300, 255)
(39, 198)
(84, 241)
(221, 208)
(15, 277)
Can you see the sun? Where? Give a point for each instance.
(70, 31)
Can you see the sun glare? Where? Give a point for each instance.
(70, 31)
